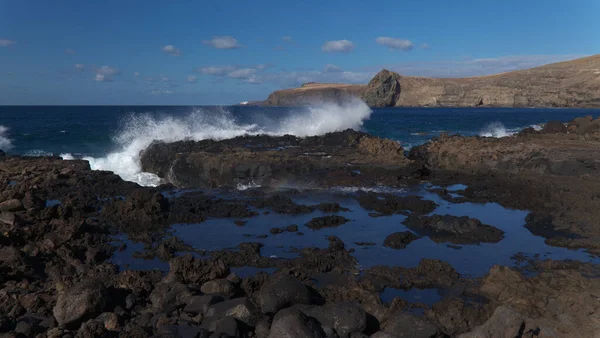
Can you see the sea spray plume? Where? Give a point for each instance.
(496, 129)
(140, 130)
(5, 143)
(326, 118)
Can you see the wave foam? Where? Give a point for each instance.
(5, 142)
(497, 129)
(139, 130)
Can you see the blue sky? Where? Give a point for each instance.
(222, 52)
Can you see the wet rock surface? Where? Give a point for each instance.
(59, 276)
(453, 229)
(333, 159)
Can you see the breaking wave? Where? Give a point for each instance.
(5, 142)
(497, 129)
(139, 130)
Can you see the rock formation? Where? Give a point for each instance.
(574, 83)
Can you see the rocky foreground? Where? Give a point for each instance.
(573, 83)
(59, 223)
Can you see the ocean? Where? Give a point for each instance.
(111, 137)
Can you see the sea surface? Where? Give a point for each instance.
(111, 137)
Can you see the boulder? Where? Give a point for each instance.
(11, 205)
(504, 323)
(291, 323)
(81, 302)
(219, 286)
(281, 292)
(240, 308)
(169, 296)
(200, 304)
(228, 326)
(554, 127)
(345, 318)
(399, 240)
(403, 324)
(383, 90)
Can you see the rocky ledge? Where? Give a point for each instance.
(566, 84)
(340, 158)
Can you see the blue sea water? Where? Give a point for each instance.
(111, 137)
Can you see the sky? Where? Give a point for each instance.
(184, 52)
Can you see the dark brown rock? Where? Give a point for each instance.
(281, 292)
(383, 90)
(399, 240)
(453, 229)
(326, 222)
(79, 303)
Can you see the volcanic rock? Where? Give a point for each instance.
(399, 240)
(282, 292)
(318, 223)
(292, 323)
(453, 229)
(79, 303)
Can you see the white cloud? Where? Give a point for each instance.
(6, 42)
(342, 46)
(70, 51)
(223, 42)
(79, 66)
(329, 68)
(242, 73)
(170, 49)
(105, 73)
(136, 74)
(108, 71)
(425, 46)
(216, 70)
(102, 78)
(192, 79)
(394, 43)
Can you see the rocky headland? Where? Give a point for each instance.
(573, 83)
(66, 228)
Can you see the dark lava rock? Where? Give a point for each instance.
(365, 243)
(200, 304)
(92, 328)
(183, 331)
(403, 324)
(399, 240)
(240, 223)
(554, 127)
(275, 231)
(389, 204)
(346, 317)
(281, 292)
(291, 228)
(291, 323)
(228, 326)
(326, 222)
(169, 296)
(453, 229)
(218, 286)
(241, 309)
(262, 236)
(188, 269)
(79, 303)
(11, 205)
(330, 207)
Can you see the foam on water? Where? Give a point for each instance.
(140, 130)
(5, 142)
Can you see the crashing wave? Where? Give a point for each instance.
(5, 142)
(497, 129)
(139, 130)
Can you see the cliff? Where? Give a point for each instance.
(573, 83)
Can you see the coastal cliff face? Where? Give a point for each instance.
(573, 83)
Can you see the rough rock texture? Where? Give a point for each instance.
(504, 323)
(291, 323)
(453, 229)
(573, 83)
(283, 292)
(399, 240)
(341, 158)
(383, 90)
(79, 303)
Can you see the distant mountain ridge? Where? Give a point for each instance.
(574, 83)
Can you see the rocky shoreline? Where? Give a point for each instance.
(71, 238)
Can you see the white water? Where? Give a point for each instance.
(5, 142)
(142, 129)
(497, 129)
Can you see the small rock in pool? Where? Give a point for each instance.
(300, 233)
(262, 236)
(240, 223)
(326, 222)
(292, 228)
(453, 229)
(275, 231)
(399, 240)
